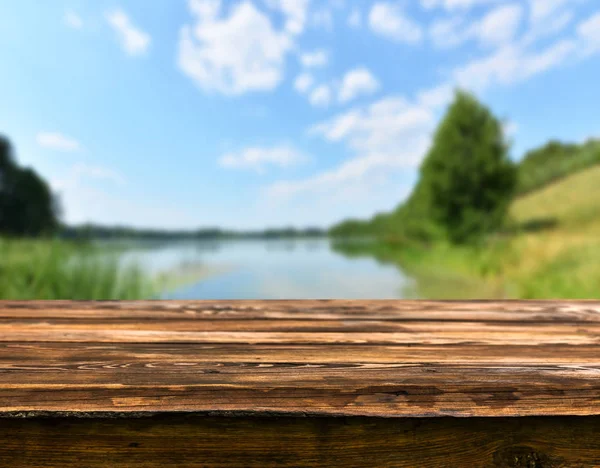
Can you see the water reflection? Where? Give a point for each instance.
(271, 269)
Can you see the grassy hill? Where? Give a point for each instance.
(573, 202)
(562, 260)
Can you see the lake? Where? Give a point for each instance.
(267, 269)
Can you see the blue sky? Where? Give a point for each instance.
(254, 113)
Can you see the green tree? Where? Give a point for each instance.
(352, 228)
(467, 179)
(8, 170)
(27, 205)
(33, 206)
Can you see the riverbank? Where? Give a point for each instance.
(54, 269)
(551, 252)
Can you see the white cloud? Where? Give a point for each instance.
(512, 64)
(356, 82)
(295, 11)
(320, 96)
(349, 173)
(133, 40)
(207, 8)
(388, 20)
(57, 141)
(380, 128)
(497, 27)
(452, 5)
(258, 158)
(542, 10)
(550, 17)
(355, 18)
(391, 133)
(589, 34)
(449, 32)
(500, 25)
(303, 82)
(520, 60)
(317, 58)
(339, 127)
(436, 97)
(73, 20)
(550, 27)
(235, 54)
(359, 81)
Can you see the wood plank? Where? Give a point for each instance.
(136, 354)
(193, 441)
(9, 326)
(282, 332)
(482, 311)
(442, 337)
(373, 390)
(416, 359)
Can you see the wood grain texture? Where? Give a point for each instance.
(192, 441)
(328, 358)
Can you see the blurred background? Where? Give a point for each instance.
(206, 149)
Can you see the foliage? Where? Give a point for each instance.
(554, 161)
(27, 206)
(467, 179)
(352, 228)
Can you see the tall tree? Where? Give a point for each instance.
(467, 179)
(8, 169)
(27, 205)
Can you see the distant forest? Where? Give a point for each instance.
(91, 231)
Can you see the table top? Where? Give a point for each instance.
(316, 358)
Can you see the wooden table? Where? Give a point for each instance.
(300, 383)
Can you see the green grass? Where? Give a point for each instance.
(564, 261)
(573, 202)
(560, 259)
(52, 269)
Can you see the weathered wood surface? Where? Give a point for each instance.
(201, 442)
(328, 358)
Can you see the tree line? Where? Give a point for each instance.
(92, 231)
